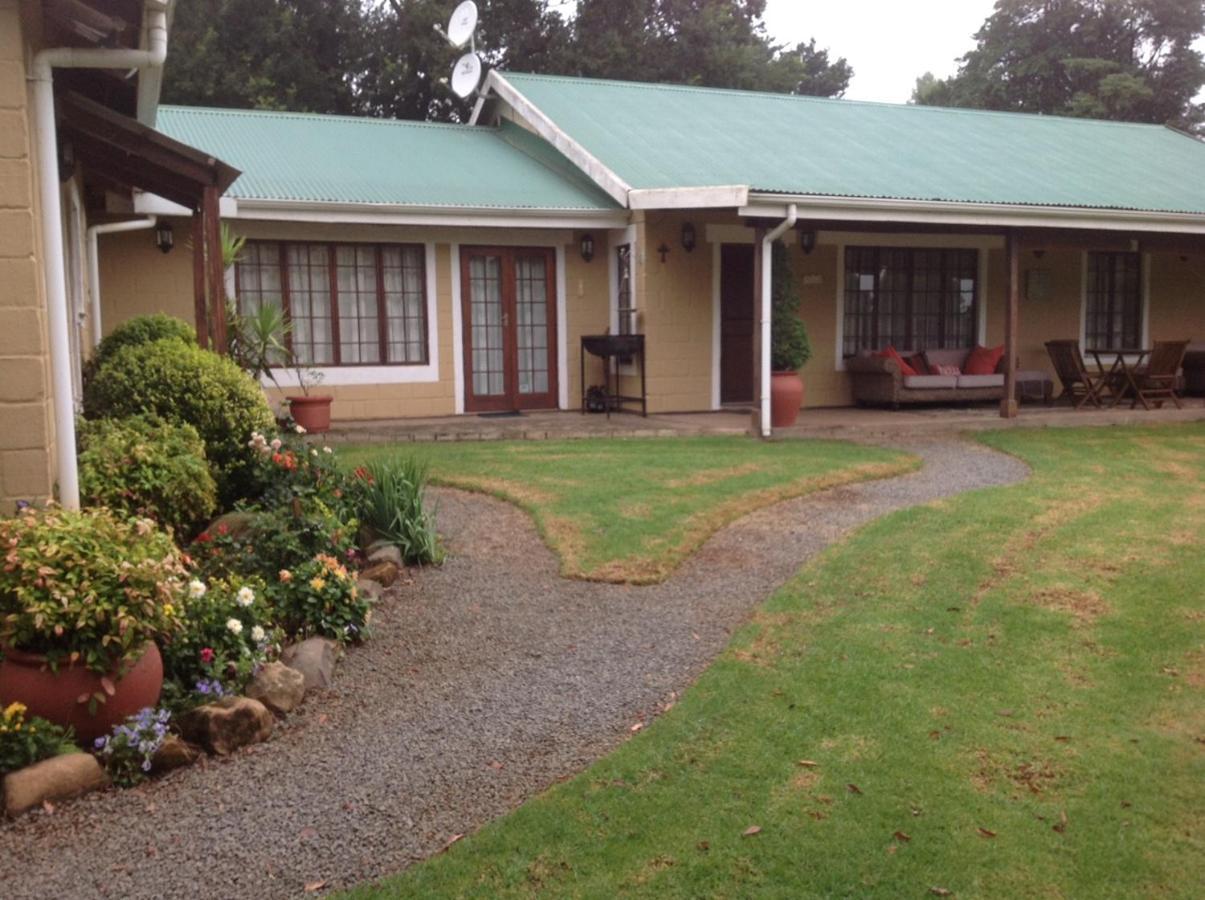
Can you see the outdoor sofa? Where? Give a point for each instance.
(878, 381)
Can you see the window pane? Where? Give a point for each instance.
(485, 300)
(359, 320)
(403, 277)
(257, 276)
(310, 303)
(1113, 314)
(531, 313)
(623, 289)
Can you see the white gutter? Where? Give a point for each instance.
(45, 134)
(94, 232)
(767, 262)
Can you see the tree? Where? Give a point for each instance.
(1128, 60)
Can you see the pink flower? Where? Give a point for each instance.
(207, 655)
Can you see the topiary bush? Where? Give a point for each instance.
(140, 330)
(182, 383)
(789, 344)
(144, 466)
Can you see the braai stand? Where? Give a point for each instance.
(615, 346)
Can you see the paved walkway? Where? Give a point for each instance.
(487, 680)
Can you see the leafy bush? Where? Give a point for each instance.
(139, 330)
(789, 344)
(188, 385)
(225, 632)
(319, 597)
(87, 586)
(144, 466)
(24, 742)
(127, 752)
(287, 471)
(391, 503)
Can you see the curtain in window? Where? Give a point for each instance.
(1113, 314)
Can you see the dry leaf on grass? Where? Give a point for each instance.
(752, 830)
(314, 886)
(808, 763)
(941, 892)
(985, 833)
(853, 789)
(902, 836)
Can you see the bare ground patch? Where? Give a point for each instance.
(712, 476)
(1084, 606)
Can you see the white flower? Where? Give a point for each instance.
(275, 443)
(196, 589)
(313, 453)
(258, 634)
(245, 596)
(234, 626)
(327, 450)
(299, 429)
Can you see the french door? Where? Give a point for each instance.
(508, 303)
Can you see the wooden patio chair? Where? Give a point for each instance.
(1080, 386)
(1156, 381)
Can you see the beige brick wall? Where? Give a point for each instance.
(26, 429)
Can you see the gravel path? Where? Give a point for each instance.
(488, 680)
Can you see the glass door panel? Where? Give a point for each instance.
(531, 323)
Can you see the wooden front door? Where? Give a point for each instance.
(508, 301)
(736, 323)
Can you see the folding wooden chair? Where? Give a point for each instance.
(1079, 385)
(1156, 382)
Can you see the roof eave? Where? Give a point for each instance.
(944, 212)
(401, 214)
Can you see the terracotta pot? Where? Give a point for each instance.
(786, 397)
(26, 678)
(311, 413)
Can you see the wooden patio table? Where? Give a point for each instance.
(1119, 377)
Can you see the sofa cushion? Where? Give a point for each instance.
(928, 382)
(891, 353)
(942, 369)
(955, 357)
(983, 360)
(980, 381)
(919, 364)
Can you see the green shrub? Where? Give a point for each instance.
(789, 344)
(391, 495)
(188, 385)
(319, 597)
(139, 330)
(87, 586)
(24, 742)
(144, 466)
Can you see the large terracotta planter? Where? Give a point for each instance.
(311, 413)
(786, 398)
(26, 678)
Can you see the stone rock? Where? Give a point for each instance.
(277, 687)
(57, 778)
(227, 725)
(175, 753)
(383, 551)
(370, 589)
(383, 573)
(234, 523)
(315, 659)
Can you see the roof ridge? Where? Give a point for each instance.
(808, 98)
(325, 117)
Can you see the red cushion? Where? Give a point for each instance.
(920, 364)
(983, 361)
(891, 353)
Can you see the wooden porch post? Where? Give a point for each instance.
(200, 306)
(217, 272)
(1008, 403)
(759, 234)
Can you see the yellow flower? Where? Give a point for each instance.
(15, 710)
(169, 610)
(317, 583)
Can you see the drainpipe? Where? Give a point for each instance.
(767, 257)
(45, 135)
(94, 232)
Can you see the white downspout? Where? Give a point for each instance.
(94, 232)
(45, 135)
(767, 257)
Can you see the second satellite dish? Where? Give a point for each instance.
(466, 75)
(462, 24)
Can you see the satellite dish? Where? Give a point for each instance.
(462, 24)
(466, 75)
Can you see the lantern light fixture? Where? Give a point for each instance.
(164, 239)
(689, 238)
(587, 247)
(807, 240)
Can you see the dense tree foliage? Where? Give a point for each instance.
(385, 58)
(1112, 59)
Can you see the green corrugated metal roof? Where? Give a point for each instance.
(340, 159)
(661, 136)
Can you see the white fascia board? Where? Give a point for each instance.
(541, 124)
(982, 214)
(719, 197)
(148, 204)
(376, 214)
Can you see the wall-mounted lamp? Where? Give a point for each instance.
(587, 247)
(164, 239)
(807, 241)
(689, 239)
(663, 250)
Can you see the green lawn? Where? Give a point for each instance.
(632, 510)
(996, 695)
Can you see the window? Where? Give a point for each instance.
(913, 299)
(623, 289)
(349, 304)
(1113, 313)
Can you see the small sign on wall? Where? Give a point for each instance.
(813, 280)
(1037, 285)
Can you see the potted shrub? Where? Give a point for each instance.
(83, 596)
(790, 348)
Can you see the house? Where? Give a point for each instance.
(433, 270)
